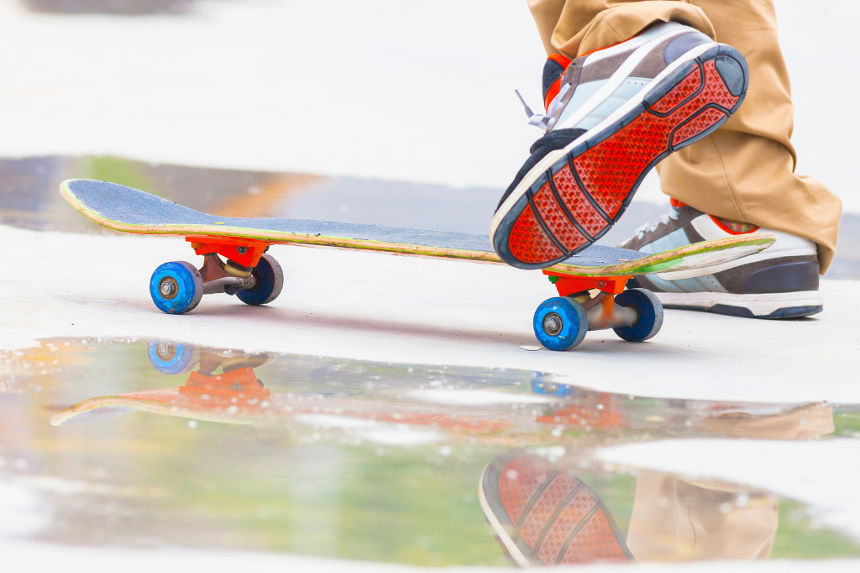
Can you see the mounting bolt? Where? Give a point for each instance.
(168, 288)
(241, 250)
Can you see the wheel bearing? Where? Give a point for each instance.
(168, 288)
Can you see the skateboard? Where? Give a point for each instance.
(590, 284)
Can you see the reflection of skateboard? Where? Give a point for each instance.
(224, 387)
(256, 278)
(221, 385)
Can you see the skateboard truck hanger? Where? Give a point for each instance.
(219, 276)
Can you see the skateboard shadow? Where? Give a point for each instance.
(286, 318)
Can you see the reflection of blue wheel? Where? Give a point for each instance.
(176, 287)
(269, 280)
(170, 358)
(549, 388)
(650, 311)
(560, 323)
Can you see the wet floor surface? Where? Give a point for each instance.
(145, 444)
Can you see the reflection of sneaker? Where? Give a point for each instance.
(611, 116)
(779, 282)
(545, 515)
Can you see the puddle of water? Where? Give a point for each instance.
(152, 444)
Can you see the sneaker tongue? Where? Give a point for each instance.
(555, 140)
(553, 69)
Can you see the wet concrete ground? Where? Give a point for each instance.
(155, 444)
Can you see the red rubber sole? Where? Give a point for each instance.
(582, 195)
(557, 518)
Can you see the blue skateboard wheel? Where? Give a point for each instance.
(176, 287)
(560, 323)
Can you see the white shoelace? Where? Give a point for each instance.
(543, 120)
(672, 215)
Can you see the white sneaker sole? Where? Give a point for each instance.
(769, 305)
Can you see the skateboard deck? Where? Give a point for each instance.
(256, 278)
(133, 211)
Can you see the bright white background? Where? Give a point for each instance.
(419, 90)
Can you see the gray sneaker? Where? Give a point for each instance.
(779, 282)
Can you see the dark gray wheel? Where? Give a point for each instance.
(269, 280)
(649, 310)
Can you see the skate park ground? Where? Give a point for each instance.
(347, 426)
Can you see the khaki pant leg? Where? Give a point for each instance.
(577, 27)
(745, 170)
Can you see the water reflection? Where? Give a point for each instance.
(222, 386)
(165, 444)
(544, 513)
